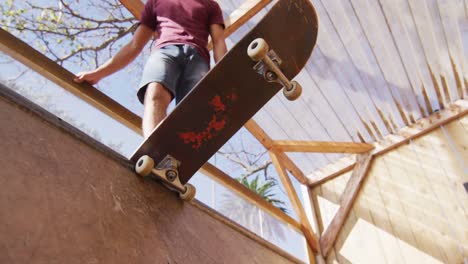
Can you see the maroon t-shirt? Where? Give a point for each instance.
(182, 22)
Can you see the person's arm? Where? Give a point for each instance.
(219, 44)
(126, 55)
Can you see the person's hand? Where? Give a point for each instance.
(90, 77)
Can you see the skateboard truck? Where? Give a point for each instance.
(167, 171)
(268, 64)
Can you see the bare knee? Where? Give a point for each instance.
(157, 94)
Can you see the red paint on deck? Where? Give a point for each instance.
(191, 137)
(217, 123)
(218, 104)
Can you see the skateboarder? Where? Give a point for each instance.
(180, 57)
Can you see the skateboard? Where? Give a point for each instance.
(239, 85)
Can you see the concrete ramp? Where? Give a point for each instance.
(67, 199)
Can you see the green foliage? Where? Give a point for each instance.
(264, 190)
(248, 214)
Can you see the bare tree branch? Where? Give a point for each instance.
(103, 45)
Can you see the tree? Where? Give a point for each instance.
(69, 31)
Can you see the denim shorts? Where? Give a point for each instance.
(177, 67)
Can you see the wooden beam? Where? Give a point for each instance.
(313, 213)
(323, 147)
(259, 134)
(134, 6)
(35, 60)
(327, 175)
(422, 127)
(241, 15)
(293, 169)
(347, 199)
(244, 192)
(267, 142)
(296, 203)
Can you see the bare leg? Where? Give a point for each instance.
(157, 99)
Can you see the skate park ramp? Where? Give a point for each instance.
(68, 199)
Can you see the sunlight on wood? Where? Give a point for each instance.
(366, 242)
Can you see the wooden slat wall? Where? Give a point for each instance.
(379, 65)
(413, 206)
(352, 35)
(372, 19)
(402, 38)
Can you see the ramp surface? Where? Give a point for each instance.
(64, 201)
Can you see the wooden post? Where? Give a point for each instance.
(267, 142)
(305, 225)
(347, 199)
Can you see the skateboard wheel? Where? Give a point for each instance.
(258, 49)
(144, 165)
(189, 193)
(293, 93)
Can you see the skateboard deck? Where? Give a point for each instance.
(232, 91)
